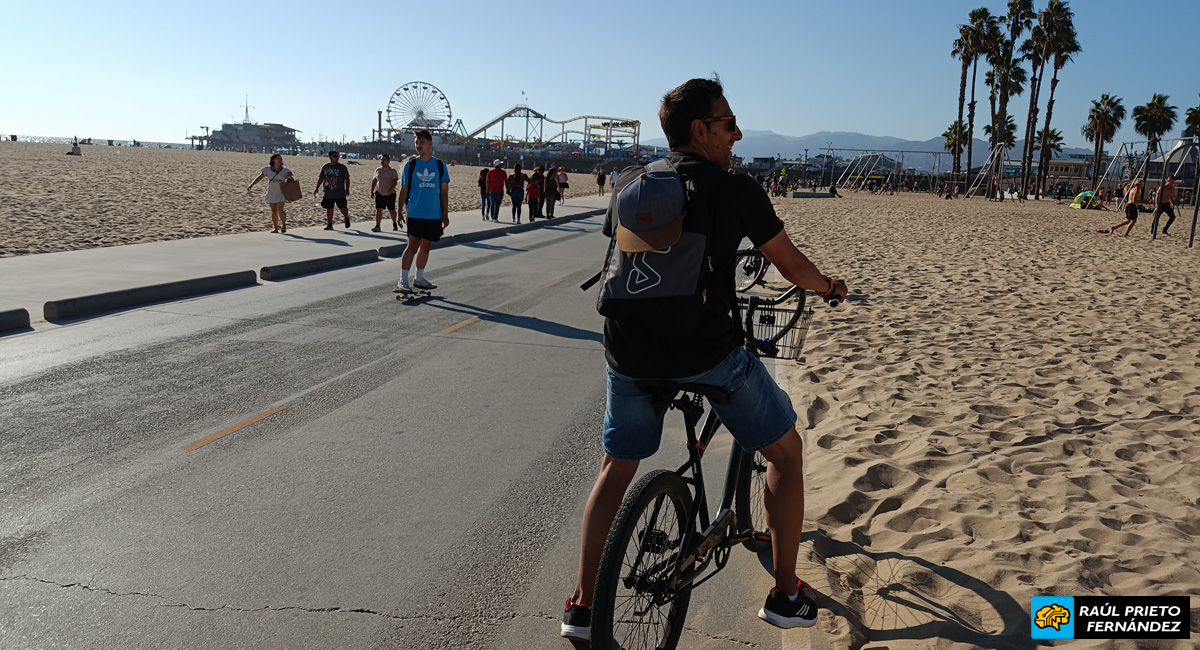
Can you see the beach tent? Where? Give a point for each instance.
(1079, 200)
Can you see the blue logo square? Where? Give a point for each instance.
(1052, 617)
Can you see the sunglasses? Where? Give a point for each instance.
(732, 119)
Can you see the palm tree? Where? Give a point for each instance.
(1192, 121)
(1019, 18)
(1035, 51)
(984, 33)
(1005, 136)
(1064, 44)
(1104, 119)
(1153, 119)
(962, 49)
(955, 135)
(1050, 140)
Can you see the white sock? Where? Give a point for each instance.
(420, 274)
(795, 598)
(404, 277)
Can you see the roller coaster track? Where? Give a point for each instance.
(617, 124)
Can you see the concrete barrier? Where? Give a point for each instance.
(293, 269)
(811, 195)
(113, 300)
(395, 250)
(14, 319)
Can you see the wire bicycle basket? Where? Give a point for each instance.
(775, 327)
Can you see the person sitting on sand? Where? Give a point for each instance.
(75, 151)
(833, 190)
(1133, 198)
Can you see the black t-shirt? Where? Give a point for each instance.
(334, 179)
(742, 209)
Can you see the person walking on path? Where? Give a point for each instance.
(335, 178)
(612, 178)
(1166, 199)
(516, 191)
(701, 130)
(495, 187)
(1133, 199)
(601, 177)
(551, 193)
(383, 189)
(276, 174)
(533, 192)
(483, 194)
(563, 184)
(425, 190)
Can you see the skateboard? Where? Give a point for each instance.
(411, 294)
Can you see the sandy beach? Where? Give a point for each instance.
(113, 196)
(1007, 407)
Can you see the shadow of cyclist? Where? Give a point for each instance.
(886, 596)
(526, 322)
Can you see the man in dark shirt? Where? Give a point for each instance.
(335, 178)
(702, 130)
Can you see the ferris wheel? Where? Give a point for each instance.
(418, 105)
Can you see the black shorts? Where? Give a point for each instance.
(563, 186)
(385, 201)
(329, 202)
(1131, 211)
(427, 229)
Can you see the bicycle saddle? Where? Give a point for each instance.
(714, 394)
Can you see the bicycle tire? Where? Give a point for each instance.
(620, 592)
(792, 320)
(749, 267)
(749, 507)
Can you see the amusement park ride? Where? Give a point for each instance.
(421, 105)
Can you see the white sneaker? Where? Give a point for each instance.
(422, 283)
(400, 286)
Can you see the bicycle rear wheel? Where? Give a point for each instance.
(635, 607)
(748, 501)
(749, 267)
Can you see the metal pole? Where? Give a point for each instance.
(1195, 202)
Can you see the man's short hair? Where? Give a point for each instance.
(385, 156)
(692, 100)
(423, 134)
(333, 153)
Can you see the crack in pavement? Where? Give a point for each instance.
(167, 602)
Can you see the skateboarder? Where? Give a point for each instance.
(425, 191)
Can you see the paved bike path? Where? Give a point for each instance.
(28, 282)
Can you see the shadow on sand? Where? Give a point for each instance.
(889, 596)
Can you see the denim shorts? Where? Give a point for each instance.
(758, 412)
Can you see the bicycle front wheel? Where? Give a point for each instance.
(751, 510)
(635, 607)
(749, 267)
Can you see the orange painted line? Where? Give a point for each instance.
(547, 286)
(460, 325)
(236, 426)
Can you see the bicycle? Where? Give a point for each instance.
(654, 555)
(749, 268)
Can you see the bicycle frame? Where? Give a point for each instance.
(712, 533)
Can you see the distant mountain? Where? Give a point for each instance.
(769, 143)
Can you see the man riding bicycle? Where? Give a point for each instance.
(701, 130)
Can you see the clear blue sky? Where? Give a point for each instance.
(155, 70)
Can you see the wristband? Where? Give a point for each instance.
(828, 292)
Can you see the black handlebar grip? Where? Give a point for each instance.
(834, 302)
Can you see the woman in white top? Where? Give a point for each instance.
(276, 174)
